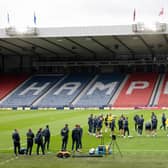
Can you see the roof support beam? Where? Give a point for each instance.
(10, 50)
(74, 42)
(102, 45)
(147, 46)
(121, 42)
(58, 45)
(18, 46)
(38, 46)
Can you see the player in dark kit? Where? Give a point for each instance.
(120, 125)
(106, 123)
(154, 122)
(140, 125)
(30, 137)
(16, 142)
(90, 124)
(136, 118)
(113, 126)
(95, 122)
(39, 141)
(148, 128)
(125, 126)
(163, 122)
(64, 134)
(80, 137)
(46, 134)
(99, 126)
(75, 137)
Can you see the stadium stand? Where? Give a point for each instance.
(8, 82)
(137, 90)
(30, 91)
(101, 91)
(162, 100)
(84, 90)
(64, 93)
(93, 57)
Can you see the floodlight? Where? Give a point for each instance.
(19, 31)
(149, 27)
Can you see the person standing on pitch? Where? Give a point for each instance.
(64, 134)
(46, 134)
(75, 138)
(80, 137)
(120, 125)
(163, 122)
(140, 125)
(39, 141)
(136, 118)
(30, 137)
(126, 127)
(90, 124)
(154, 122)
(16, 142)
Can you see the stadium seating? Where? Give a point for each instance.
(84, 90)
(64, 93)
(101, 91)
(30, 91)
(8, 82)
(162, 99)
(137, 91)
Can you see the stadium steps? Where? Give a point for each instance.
(118, 90)
(86, 87)
(10, 82)
(14, 90)
(60, 98)
(24, 100)
(101, 91)
(157, 95)
(136, 98)
(36, 101)
(155, 91)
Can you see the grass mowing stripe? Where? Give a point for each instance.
(138, 150)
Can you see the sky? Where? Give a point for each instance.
(66, 13)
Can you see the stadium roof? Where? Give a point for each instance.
(87, 42)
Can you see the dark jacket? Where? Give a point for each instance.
(16, 137)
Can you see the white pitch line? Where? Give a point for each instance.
(8, 160)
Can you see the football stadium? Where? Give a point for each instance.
(108, 81)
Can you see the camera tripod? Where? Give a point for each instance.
(113, 144)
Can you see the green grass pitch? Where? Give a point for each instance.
(137, 151)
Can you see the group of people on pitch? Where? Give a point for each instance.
(76, 138)
(95, 124)
(150, 126)
(42, 139)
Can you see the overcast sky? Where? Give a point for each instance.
(56, 13)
